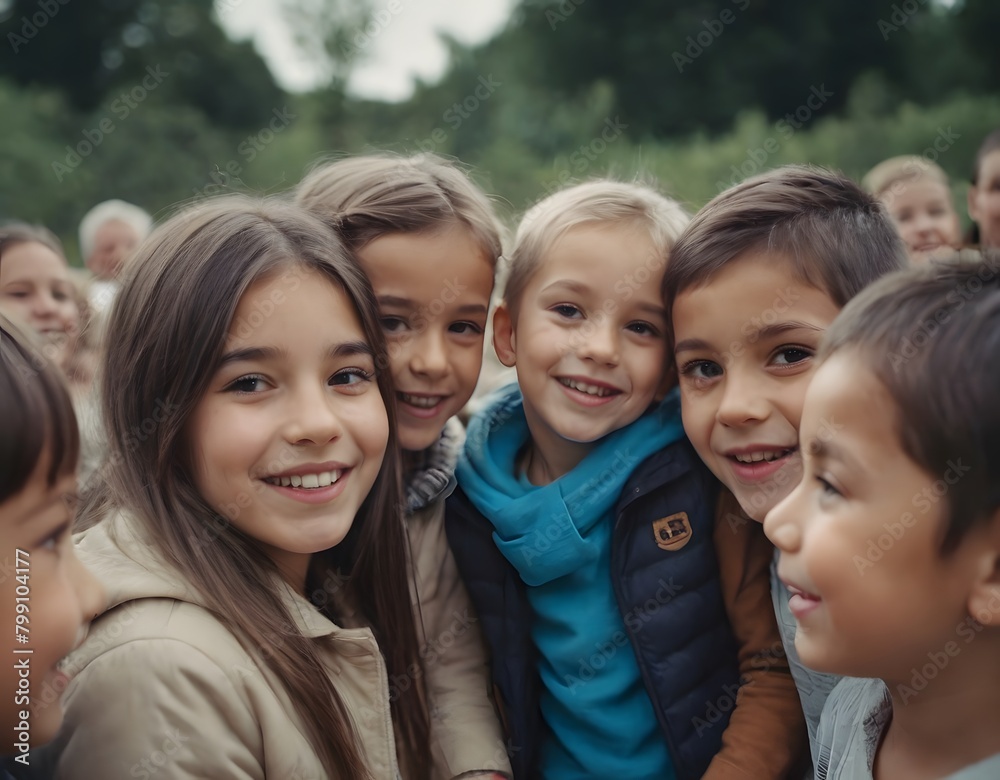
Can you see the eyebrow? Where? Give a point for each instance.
(767, 332)
(569, 284)
(345, 349)
(825, 450)
(397, 302)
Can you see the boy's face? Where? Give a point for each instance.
(433, 293)
(922, 212)
(859, 537)
(47, 589)
(745, 342)
(589, 342)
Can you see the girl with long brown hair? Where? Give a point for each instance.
(246, 528)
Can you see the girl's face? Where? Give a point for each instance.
(35, 287)
(433, 293)
(47, 598)
(290, 436)
(984, 200)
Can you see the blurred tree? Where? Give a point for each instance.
(99, 48)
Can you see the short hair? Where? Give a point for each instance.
(931, 335)
(112, 211)
(601, 201)
(36, 413)
(14, 233)
(370, 196)
(836, 237)
(990, 144)
(902, 170)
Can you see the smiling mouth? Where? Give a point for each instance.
(765, 456)
(421, 401)
(585, 387)
(307, 481)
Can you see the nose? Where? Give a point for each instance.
(44, 305)
(743, 399)
(313, 415)
(782, 523)
(599, 342)
(428, 356)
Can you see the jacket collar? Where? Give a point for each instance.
(122, 555)
(433, 477)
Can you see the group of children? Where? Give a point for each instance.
(722, 480)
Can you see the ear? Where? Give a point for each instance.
(984, 596)
(504, 341)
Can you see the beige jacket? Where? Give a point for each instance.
(465, 732)
(162, 690)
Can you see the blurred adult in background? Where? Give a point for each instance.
(109, 234)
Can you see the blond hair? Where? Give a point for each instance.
(602, 201)
(903, 169)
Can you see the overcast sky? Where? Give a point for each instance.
(405, 43)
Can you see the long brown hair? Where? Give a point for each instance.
(166, 336)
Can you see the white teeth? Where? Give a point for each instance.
(307, 481)
(757, 457)
(585, 388)
(424, 402)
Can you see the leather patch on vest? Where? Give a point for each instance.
(673, 532)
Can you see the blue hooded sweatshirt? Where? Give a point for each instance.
(558, 537)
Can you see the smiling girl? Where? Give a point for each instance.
(246, 531)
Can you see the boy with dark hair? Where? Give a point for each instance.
(909, 372)
(752, 284)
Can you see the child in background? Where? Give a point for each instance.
(916, 193)
(46, 595)
(245, 526)
(984, 194)
(752, 284)
(923, 615)
(36, 287)
(582, 523)
(428, 240)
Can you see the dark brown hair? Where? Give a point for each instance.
(990, 144)
(931, 335)
(166, 336)
(36, 413)
(834, 235)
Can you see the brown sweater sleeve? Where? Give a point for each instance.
(766, 738)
